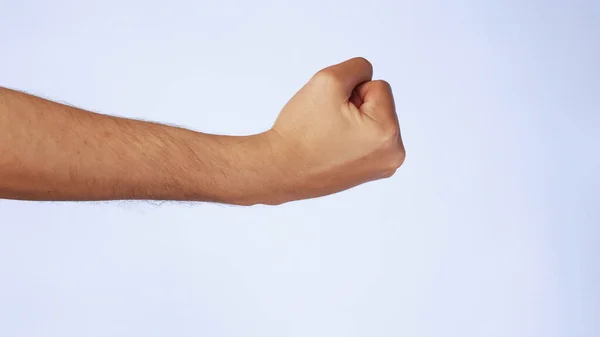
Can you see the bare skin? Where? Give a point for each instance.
(340, 130)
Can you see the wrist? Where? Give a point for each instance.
(267, 177)
(239, 170)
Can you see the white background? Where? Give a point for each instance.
(491, 228)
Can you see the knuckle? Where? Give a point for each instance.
(396, 154)
(390, 134)
(389, 173)
(383, 84)
(326, 76)
(398, 158)
(366, 62)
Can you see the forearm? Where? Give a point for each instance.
(51, 151)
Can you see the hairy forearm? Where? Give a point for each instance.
(50, 151)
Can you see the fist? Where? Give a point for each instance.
(340, 130)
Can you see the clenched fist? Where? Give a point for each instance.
(338, 131)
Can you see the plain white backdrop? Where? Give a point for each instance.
(491, 228)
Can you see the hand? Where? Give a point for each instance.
(340, 130)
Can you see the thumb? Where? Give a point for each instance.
(349, 74)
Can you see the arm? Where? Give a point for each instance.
(52, 151)
(338, 131)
